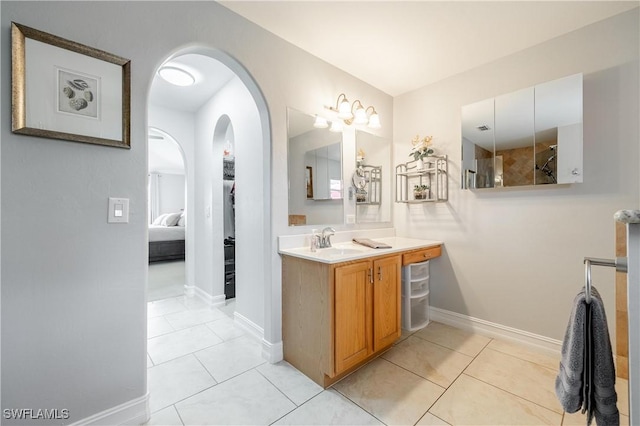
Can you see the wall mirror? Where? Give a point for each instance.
(531, 136)
(372, 178)
(315, 172)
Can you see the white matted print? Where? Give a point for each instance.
(78, 94)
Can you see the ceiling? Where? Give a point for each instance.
(400, 46)
(210, 75)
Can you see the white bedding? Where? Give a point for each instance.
(166, 233)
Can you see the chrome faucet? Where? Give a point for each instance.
(325, 238)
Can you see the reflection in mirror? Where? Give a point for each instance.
(315, 172)
(372, 179)
(529, 137)
(514, 138)
(477, 145)
(558, 131)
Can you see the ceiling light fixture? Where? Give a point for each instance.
(354, 113)
(176, 76)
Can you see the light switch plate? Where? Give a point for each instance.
(351, 219)
(118, 210)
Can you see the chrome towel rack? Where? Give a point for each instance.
(620, 263)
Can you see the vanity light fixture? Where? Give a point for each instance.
(176, 76)
(355, 113)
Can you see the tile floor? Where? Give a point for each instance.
(204, 370)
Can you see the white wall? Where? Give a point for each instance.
(74, 320)
(514, 257)
(171, 192)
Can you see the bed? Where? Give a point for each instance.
(166, 240)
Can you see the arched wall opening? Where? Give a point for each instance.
(240, 102)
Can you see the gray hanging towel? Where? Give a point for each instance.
(586, 378)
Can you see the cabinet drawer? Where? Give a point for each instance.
(421, 255)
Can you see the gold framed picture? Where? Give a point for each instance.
(65, 90)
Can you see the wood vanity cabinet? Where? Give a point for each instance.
(338, 316)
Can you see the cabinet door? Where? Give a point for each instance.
(386, 301)
(353, 313)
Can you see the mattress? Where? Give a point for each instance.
(166, 233)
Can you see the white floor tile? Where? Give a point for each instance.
(164, 307)
(167, 417)
(231, 358)
(158, 326)
(176, 380)
(225, 328)
(248, 399)
(190, 318)
(328, 408)
(174, 345)
(298, 387)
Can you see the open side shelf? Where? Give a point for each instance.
(433, 174)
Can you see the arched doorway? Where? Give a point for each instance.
(241, 101)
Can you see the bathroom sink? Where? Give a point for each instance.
(336, 251)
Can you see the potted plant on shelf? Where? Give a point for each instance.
(420, 192)
(421, 148)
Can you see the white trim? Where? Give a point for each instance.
(534, 341)
(272, 352)
(134, 412)
(212, 301)
(255, 331)
(189, 290)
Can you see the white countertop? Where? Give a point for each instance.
(346, 251)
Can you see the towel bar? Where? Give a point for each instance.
(620, 263)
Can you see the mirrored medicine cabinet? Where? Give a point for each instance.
(324, 179)
(532, 136)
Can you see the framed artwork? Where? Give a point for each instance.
(65, 90)
(309, 181)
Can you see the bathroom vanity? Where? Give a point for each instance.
(341, 306)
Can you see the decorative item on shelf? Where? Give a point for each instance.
(361, 195)
(420, 192)
(421, 148)
(360, 156)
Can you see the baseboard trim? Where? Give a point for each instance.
(272, 352)
(189, 290)
(134, 412)
(534, 341)
(254, 330)
(213, 301)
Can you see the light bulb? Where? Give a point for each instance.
(176, 76)
(360, 116)
(374, 121)
(344, 110)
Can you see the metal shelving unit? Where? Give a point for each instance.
(371, 194)
(434, 174)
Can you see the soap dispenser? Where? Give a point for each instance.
(313, 243)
